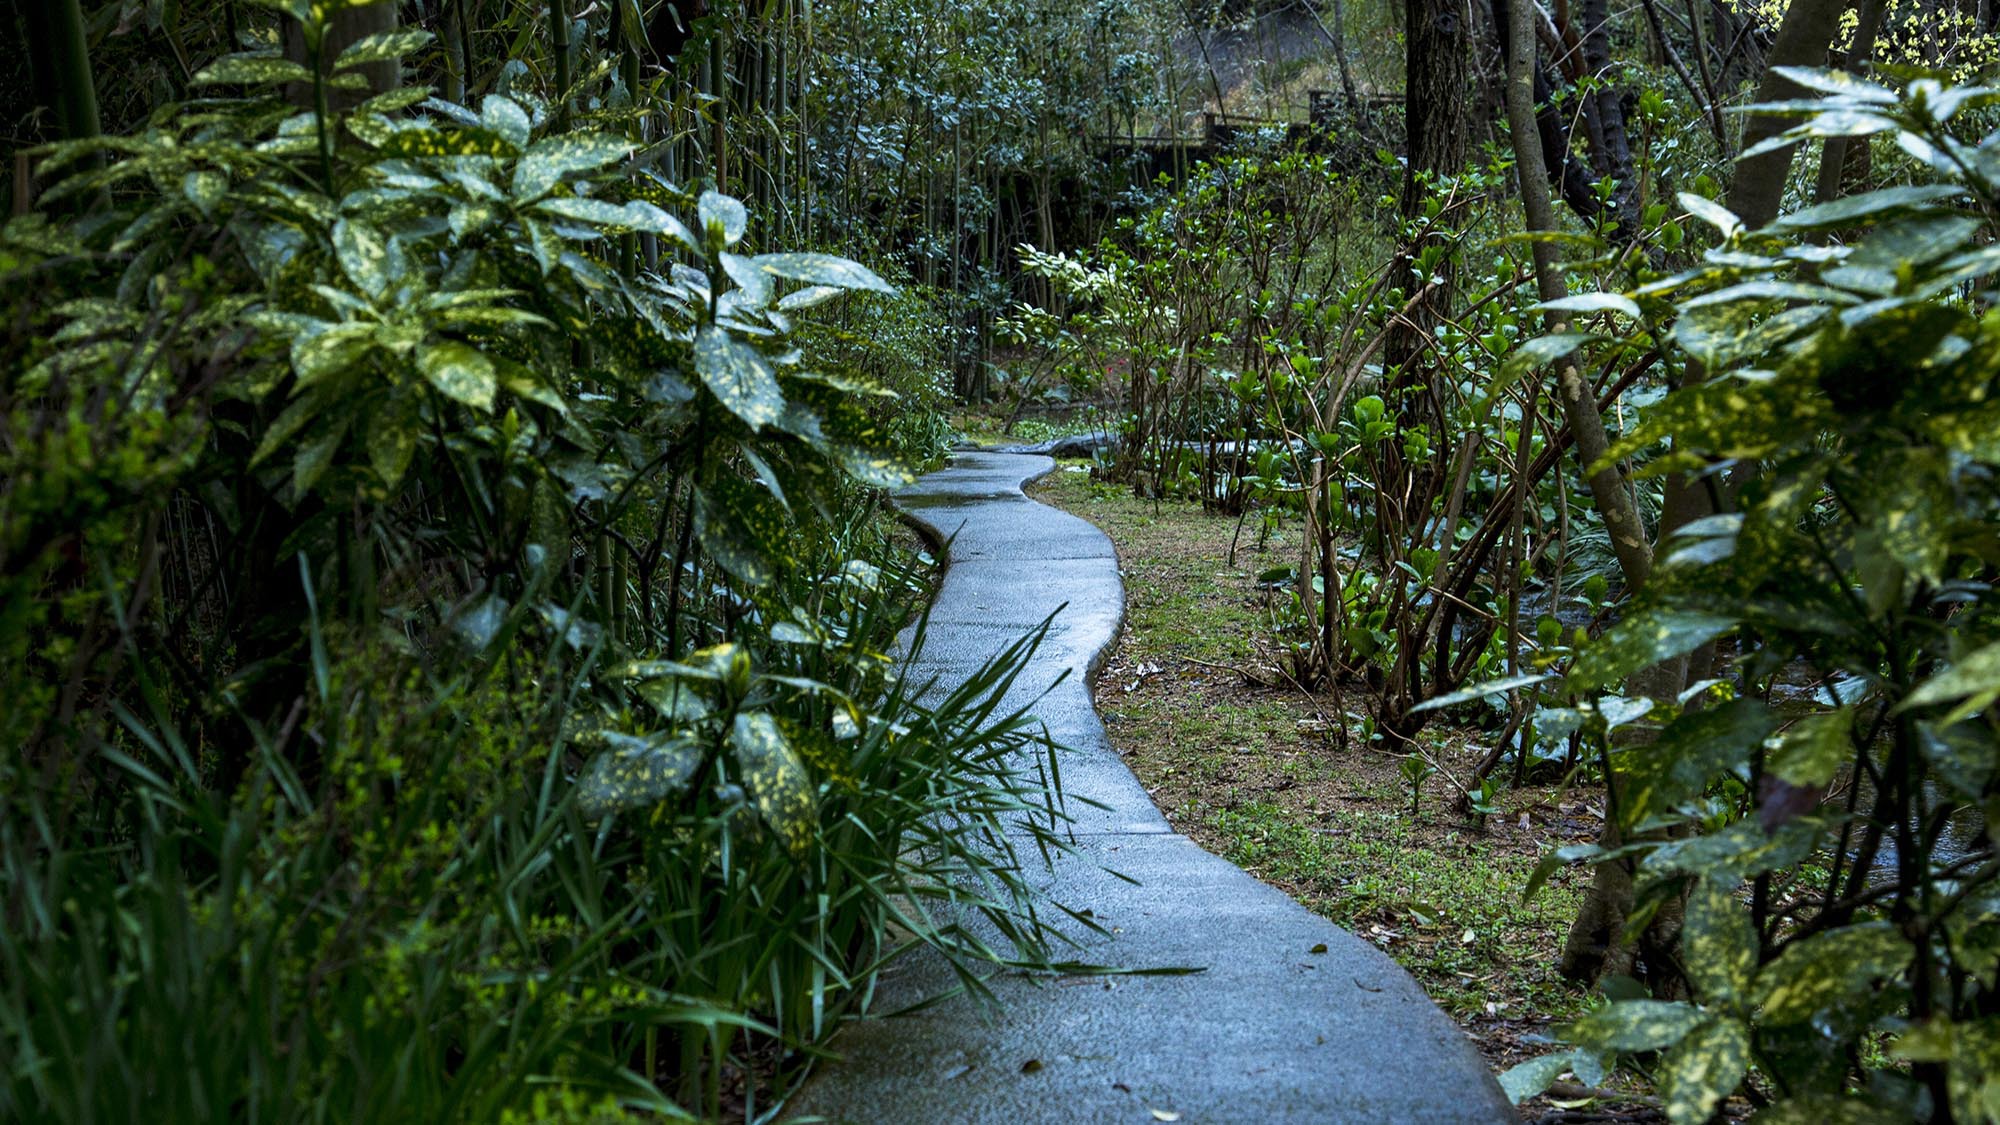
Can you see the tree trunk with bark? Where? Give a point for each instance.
(1803, 40)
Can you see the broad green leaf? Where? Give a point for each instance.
(1970, 1050)
(363, 254)
(779, 785)
(1481, 691)
(504, 117)
(754, 282)
(722, 217)
(791, 633)
(873, 469)
(1593, 302)
(1705, 1068)
(1539, 351)
(675, 699)
(392, 435)
(1719, 944)
(459, 371)
(743, 527)
(1650, 635)
(635, 772)
(1831, 969)
(381, 46)
(1974, 678)
(1527, 1079)
(808, 297)
(1812, 751)
(330, 351)
(468, 219)
(1691, 753)
(643, 216)
(739, 376)
(552, 158)
(583, 210)
(1714, 214)
(1837, 82)
(315, 454)
(289, 422)
(204, 189)
(1636, 1025)
(1849, 210)
(250, 70)
(822, 269)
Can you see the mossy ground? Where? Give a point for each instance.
(1257, 773)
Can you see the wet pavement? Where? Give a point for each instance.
(1290, 1018)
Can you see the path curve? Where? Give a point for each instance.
(1270, 1031)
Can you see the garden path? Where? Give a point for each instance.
(1291, 1019)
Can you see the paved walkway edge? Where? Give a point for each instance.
(1292, 1018)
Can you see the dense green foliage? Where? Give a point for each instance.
(1842, 928)
(446, 653)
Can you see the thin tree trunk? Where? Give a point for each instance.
(1860, 57)
(1614, 156)
(1803, 40)
(1593, 942)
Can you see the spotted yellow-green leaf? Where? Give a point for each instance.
(1719, 943)
(204, 189)
(250, 70)
(288, 423)
(1636, 1025)
(460, 141)
(1973, 682)
(632, 772)
(392, 435)
(644, 216)
(1650, 635)
(459, 371)
(779, 786)
(1814, 749)
(822, 269)
(381, 46)
(330, 351)
(552, 158)
(1693, 750)
(1830, 969)
(395, 101)
(739, 376)
(315, 454)
(755, 283)
(722, 218)
(1593, 302)
(742, 527)
(504, 117)
(1714, 214)
(598, 211)
(364, 255)
(808, 297)
(468, 219)
(1527, 1079)
(1705, 1068)
(543, 242)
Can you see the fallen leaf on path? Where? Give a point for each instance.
(1165, 1115)
(1320, 948)
(1031, 1066)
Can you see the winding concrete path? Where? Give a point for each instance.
(1292, 1020)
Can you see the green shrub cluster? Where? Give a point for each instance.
(445, 616)
(1818, 825)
